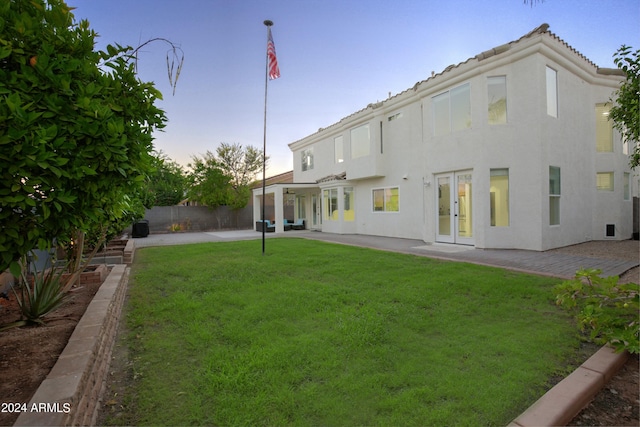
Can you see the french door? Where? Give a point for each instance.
(454, 214)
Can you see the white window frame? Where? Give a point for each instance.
(307, 159)
(386, 196)
(605, 181)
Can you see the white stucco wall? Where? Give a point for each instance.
(406, 155)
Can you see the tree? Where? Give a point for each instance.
(224, 178)
(167, 183)
(208, 184)
(625, 112)
(77, 128)
(242, 165)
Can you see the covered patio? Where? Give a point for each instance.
(281, 194)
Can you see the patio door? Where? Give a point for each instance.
(316, 212)
(454, 214)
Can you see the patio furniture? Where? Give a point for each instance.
(266, 225)
(287, 224)
(298, 225)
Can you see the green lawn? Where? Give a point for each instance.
(321, 334)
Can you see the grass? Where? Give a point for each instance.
(315, 333)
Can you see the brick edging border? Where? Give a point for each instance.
(566, 399)
(70, 393)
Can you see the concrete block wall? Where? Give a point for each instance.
(73, 388)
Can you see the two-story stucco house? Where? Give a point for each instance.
(509, 149)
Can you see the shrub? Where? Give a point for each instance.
(604, 308)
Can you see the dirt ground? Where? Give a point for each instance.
(27, 354)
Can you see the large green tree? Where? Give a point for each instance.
(167, 183)
(208, 184)
(76, 128)
(242, 164)
(625, 112)
(224, 178)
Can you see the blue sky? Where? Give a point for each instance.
(335, 56)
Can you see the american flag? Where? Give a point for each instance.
(272, 65)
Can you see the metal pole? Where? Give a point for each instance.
(264, 140)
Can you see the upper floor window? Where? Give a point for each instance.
(497, 100)
(452, 110)
(604, 129)
(338, 147)
(307, 159)
(386, 200)
(360, 141)
(552, 92)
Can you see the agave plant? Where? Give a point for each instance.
(42, 296)
(38, 295)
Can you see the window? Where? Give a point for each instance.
(302, 206)
(386, 200)
(360, 141)
(497, 100)
(452, 110)
(626, 182)
(307, 159)
(441, 114)
(604, 129)
(461, 108)
(330, 203)
(554, 195)
(349, 208)
(338, 146)
(552, 92)
(499, 197)
(604, 181)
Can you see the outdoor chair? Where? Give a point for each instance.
(270, 228)
(298, 225)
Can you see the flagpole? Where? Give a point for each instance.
(264, 140)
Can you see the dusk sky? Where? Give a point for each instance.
(335, 56)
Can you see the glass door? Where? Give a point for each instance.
(444, 225)
(454, 216)
(464, 212)
(315, 211)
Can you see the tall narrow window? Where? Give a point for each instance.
(497, 100)
(360, 141)
(604, 181)
(441, 114)
(499, 197)
(307, 159)
(552, 92)
(626, 182)
(302, 206)
(604, 129)
(461, 108)
(554, 195)
(330, 202)
(349, 208)
(338, 146)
